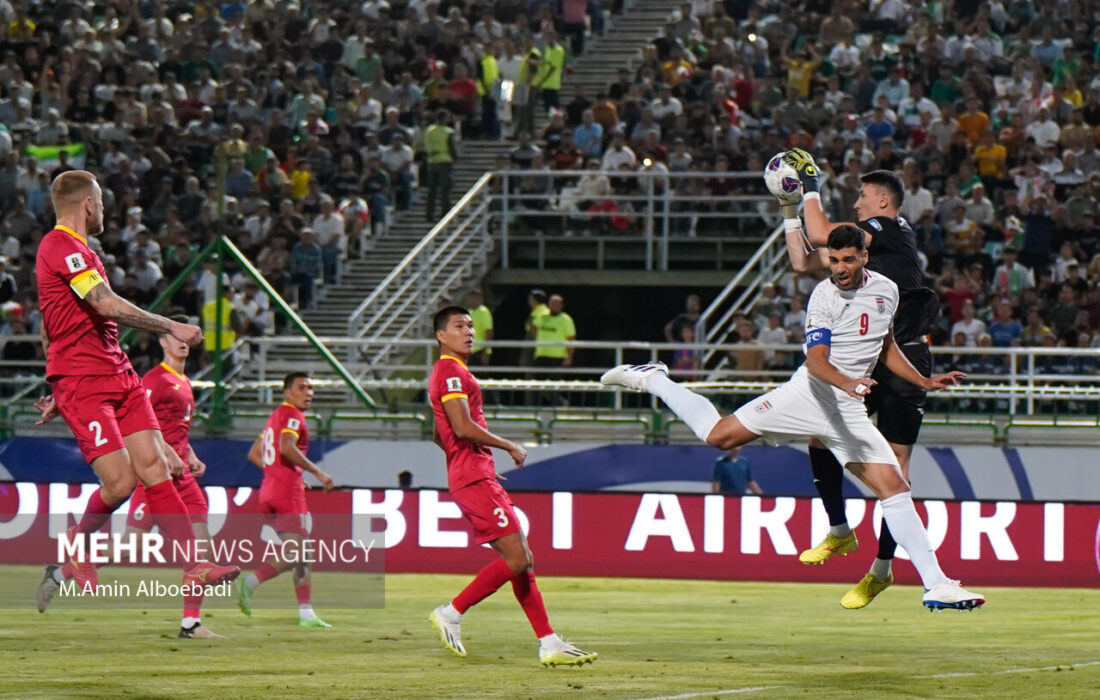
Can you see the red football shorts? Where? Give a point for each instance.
(286, 512)
(486, 506)
(189, 490)
(102, 409)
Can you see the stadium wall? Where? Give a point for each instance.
(964, 473)
(1000, 543)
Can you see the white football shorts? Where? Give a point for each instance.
(805, 407)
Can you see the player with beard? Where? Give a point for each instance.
(98, 393)
(892, 250)
(849, 329)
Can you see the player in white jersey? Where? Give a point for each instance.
(848, 329)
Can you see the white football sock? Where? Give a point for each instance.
(905, 524)
(880, 568)
(450, 613)
(251, 581)
(840, 530)
(189, 622)
(305, 612)
(696, 411)
(551, 641)
(57, 576)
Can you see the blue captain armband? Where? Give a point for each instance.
(820, 336)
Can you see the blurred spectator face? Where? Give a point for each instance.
(959, 340)
(968, 310)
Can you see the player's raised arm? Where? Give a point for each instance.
(818, 225)
(899, 364)
(458, 414)
(112, 306)
(804, 257)
(288, 448)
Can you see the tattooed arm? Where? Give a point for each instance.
(114, 307)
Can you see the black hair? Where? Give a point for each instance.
(288, 380)
(443, 316)
(847, 236)
(888, 181)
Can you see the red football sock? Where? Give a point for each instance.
(529, 596)
(265, 572)
(170, 513)
(485, 584)
(67, 571)
(96, 513)
(192, 605)
(303, 593)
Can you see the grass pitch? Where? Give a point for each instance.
(655, 638)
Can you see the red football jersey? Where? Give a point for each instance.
(82, 342)
(280, 475)
(173, 401)
(467, 462)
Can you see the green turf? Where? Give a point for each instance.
(654, 637)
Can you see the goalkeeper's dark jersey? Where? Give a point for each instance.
(893, 254)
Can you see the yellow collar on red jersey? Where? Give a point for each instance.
(168, 368)
(72, 233)
(452, 357)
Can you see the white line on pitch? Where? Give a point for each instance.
(1059, 667)
(715, 693)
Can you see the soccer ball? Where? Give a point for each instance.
(780, 178)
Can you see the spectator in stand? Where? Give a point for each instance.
(969, 326)
(687, 318)
(329, 227)
(1004, 330)
(483, 327)
(306, 267)
(254, 307)
(440, 150)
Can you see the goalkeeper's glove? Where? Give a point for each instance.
(804, 164)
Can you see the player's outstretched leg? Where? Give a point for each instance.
(696, 411)
(899, 512)
(829, 481)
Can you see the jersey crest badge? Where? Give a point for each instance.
(75, 262)
(454, 384)
(875, 224)
(763, 407)
(293, 423)
(880, 304)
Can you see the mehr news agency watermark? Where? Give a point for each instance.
(152, 548)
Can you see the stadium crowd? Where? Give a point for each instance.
(318, 118)
(320, 112)
(989, 112)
